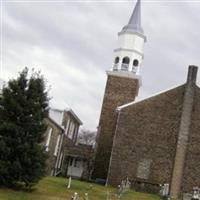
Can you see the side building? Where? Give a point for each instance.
(66, 156)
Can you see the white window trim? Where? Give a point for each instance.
(75, 133)
(57, 145)
(60, 160)
(71, 130)
(48, 140)
(67, 127)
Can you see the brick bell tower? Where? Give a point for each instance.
(122, 87)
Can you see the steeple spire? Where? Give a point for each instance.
(129, 52)
(134, 24)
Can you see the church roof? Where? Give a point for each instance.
(119, 108)
(134, 24)
(191, 78)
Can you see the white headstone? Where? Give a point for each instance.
(69, 182)
(196, 193)
(75, 196)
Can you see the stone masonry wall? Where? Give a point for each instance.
(191, 176)
(145, 141)
(119, 91)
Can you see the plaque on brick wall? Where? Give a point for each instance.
(143, 169)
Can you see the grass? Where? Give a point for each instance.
(52, 188)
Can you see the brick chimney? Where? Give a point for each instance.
(184, 131)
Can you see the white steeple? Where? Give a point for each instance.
(131, 39)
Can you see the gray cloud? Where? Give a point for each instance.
(72, 44)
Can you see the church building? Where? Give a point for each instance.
(152, 141)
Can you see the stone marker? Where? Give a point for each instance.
(69, 182)
(86, 196)
(75, 196)
(196, 193)
(164, 191)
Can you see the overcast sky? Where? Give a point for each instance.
(72, 43)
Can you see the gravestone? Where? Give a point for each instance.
(86, 196)
(164, 190)
(69, 182)
(196, 193)
(75, 196)
(123, 187)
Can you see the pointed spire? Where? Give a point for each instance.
(135, 19)
(134, 24)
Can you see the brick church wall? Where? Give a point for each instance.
(119, 91)
(145, 141)
(191, 176)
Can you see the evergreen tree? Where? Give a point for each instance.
(23, 107)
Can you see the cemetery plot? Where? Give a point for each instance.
(53, 188)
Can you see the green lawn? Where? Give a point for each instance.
(51, 188)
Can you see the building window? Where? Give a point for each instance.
(143, 169)
(77, 163)
(57, 146)
(60, 160)
(75, 134)
(126, 60)
(70, 161)
(115, 68)
(116, 60)
(71, 130)
(48, 139)
(135, 63)
(67, 127)
(125, 63)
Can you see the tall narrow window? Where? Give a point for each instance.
(115, 68)
(60, 160)
(75, 133)
(48, 139)
(71, 130)
(67, 127)
(57, 146)
(70, 161)
(135, 66)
